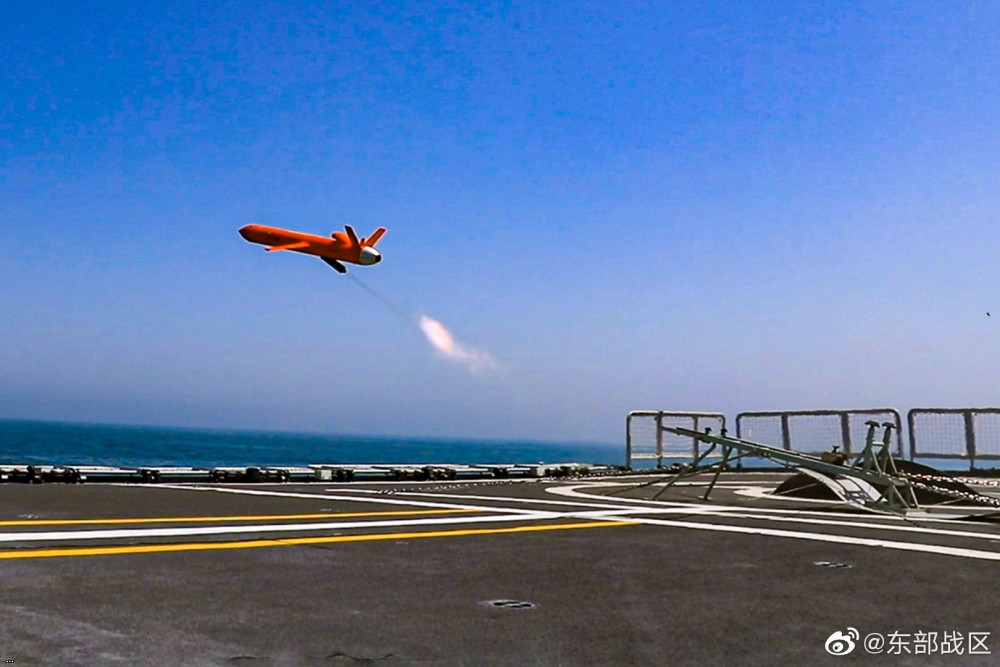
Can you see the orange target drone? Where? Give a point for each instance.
(338, 247)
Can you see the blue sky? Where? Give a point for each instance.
(705, 205)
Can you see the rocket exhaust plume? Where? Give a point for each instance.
(441, 340)
(438, 335)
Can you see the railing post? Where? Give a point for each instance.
(970, 438)
(659, 439)
(628, 442)
(695, 449)
(910, 421)
(845, 433)
(899, 433)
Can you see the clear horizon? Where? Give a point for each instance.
(323, 434)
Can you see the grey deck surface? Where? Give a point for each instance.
(404, 574)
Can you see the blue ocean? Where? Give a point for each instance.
(55, 443)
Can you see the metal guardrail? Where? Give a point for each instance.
(969, 434)
(647, 440)
(816, 431)
(954, 433)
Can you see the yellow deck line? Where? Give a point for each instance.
(294, 541)
(209, 519)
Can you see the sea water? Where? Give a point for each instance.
(56, 443)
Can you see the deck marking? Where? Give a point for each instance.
(131, 533)
(630, 514)
(610, 502)
(572, 492)
(210, 519)
(608, 511)
(294, 541)
(905, 528)
(826, 537)
(336, 495)
(850, 521)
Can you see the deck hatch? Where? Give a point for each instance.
(510, 604)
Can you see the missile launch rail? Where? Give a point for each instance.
(880, 485)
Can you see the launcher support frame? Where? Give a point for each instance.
(873, 466)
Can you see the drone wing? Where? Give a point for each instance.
(289, 246)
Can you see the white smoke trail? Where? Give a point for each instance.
(441, 339)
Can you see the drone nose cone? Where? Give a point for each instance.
(369, 256)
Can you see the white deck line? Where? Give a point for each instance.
(336, 495)
(630, 515)
(826, 537)
(625, 512)
(125, 533)
(572, 492)
(610, 502)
